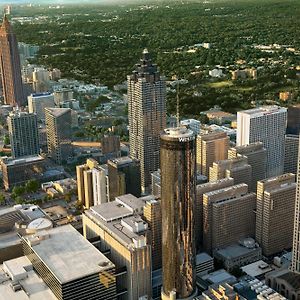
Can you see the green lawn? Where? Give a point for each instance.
(220, 84)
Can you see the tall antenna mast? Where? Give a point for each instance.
(177, 105)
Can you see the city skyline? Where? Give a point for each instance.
(173, 178)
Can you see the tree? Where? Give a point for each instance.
(19, 200)
(6, 140)
(68, 197)
(17, 191)
(32, 186)
(203, 119)
(2, 199)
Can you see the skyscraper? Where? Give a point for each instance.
(58, 126)
(228, 216)
(265, 124)
(211, 147)
(38, 102)
(147, 115)
(236, 168)
(293, 119)
(274, 213)
(152, 215)
(202, 189)
(291, 153)
(296, 236)
(257, 159)
(178, 193)
(23, 134)
(124, 177)
(10, 66)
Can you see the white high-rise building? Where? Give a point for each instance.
(38, 102)
(147, 116)
(99, 186)
(265, 124)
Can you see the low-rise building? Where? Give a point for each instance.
(238, 255)
(18, 171)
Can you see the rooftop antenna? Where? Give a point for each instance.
(177, 105)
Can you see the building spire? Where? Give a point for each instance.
(6, 27)
(177, 106)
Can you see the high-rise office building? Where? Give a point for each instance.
(155, 183)
(124, 177)
(91, 183)
(265, 124)
(40, 80)
(257, 159)
(10, 66)
(178, 193)
(100, 185)
(228, 216)
(236, 168)
(110, 145)
(152, 215)
(295, 267)
(38, 102)
(201, 189)
(211, 147)
(275, 212)
(293, 119)
(291, 153)
(147, 115)
(59, 134)
(23, 134)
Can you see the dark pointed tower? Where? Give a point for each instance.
(10, 66)
(147, 115)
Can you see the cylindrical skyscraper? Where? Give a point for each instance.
(178, 167)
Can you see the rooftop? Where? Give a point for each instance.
(121, 160)
(219, 277)
(23, 214)
(263, 111)
(67, 254)
(123, 206)
(257, 268)
(23, 160)
(235, 251)
(57, 112)
(32, 286)
(293, 279)
(178, 132)
(40, 95)
(121, 219)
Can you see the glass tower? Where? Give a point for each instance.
(178, 167)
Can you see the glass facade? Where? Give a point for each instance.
(178, 166)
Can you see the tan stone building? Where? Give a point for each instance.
(228, 216)
(275, 213)
(236, 168)
(85, 186)
(152, 215)
(257, 159)
(201, 189)
(211, 147)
